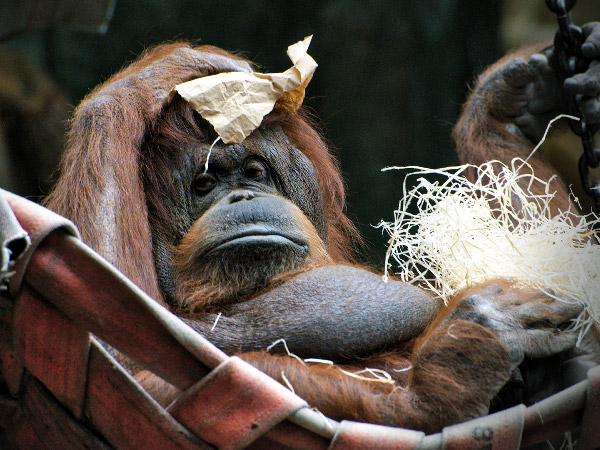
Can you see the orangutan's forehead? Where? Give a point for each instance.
(225, 156)
(271, 145)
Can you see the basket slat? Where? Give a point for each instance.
(234, 404)
(355, 436)
(590, 423)
(8, 410)
(125, 414)
(289, 436)
(53, 424)
(501, 430)
(20, 434)
(53, 348)
(12, 371)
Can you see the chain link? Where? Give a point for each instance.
(567, 50)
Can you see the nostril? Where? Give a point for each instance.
(237, 196)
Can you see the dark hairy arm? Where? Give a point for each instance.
(332, 312)
(513, 101)
(452, 372)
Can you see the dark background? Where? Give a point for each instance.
(391, 79)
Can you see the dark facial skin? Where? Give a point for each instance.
(247, 219)
(241, 243)
(246, 199)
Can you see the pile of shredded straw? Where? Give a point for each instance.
(452, 233)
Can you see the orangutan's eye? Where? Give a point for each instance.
(204, 183)
(255, 170)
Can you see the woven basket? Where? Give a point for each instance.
(61, 389)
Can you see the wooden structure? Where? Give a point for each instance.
(61, 389)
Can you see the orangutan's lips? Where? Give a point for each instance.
(262, 236)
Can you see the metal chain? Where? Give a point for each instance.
(567, 49)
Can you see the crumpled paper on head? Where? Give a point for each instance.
(235, 102)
